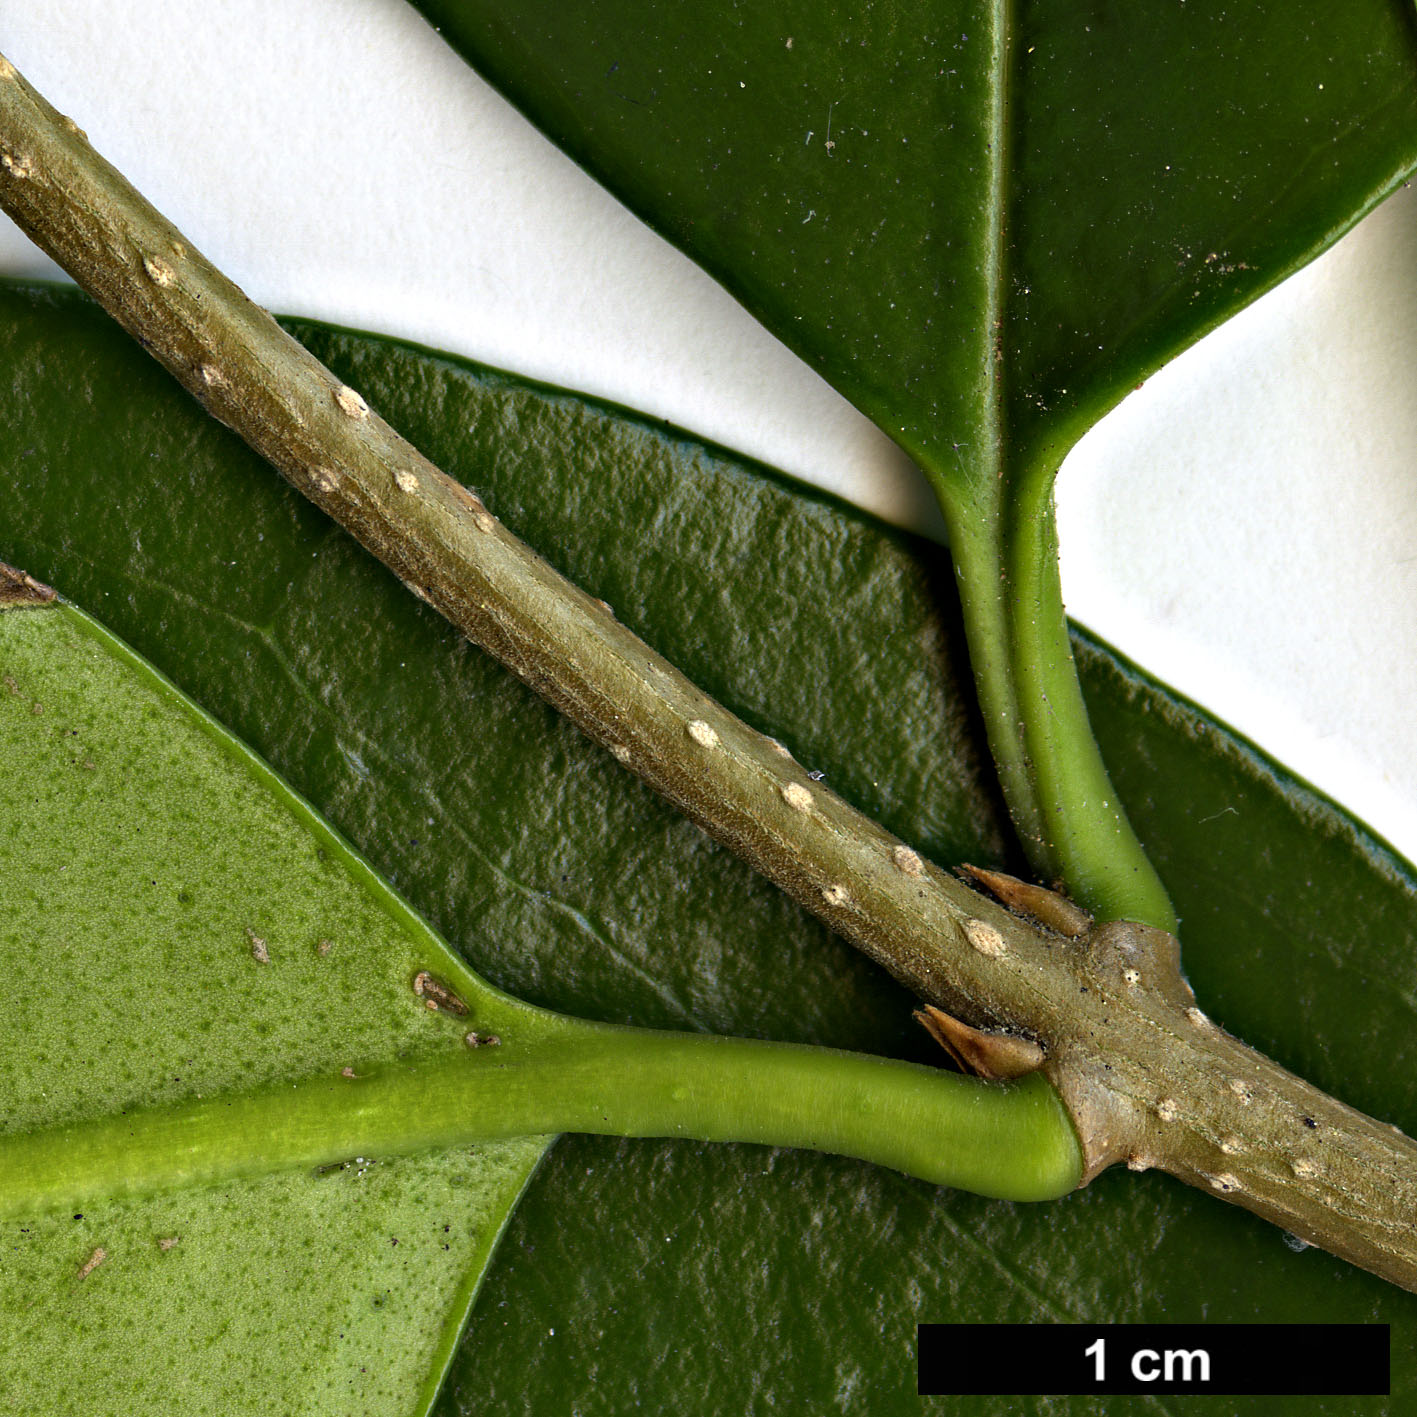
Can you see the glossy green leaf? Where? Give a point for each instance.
(984, 221)
(732, 1278)
(903, 191)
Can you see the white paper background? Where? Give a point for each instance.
(1245, 526)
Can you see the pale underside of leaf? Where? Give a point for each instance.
(178, 926)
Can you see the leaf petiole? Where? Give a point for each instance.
(1012, 1140)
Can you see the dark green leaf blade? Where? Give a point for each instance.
(561, 878)
(1003, 217)
(1107, 181)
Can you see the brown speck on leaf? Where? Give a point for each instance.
(347, 1072)
(259, 952)
(36, 708)
(93, 1262)
(19, 589)
(324, 947)
(168, 1241)
(12, 687)
(435, 994)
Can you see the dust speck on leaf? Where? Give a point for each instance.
(259, 952)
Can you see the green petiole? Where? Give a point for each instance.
(196, 1063)
(1064, 807)
(1008, 1140)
